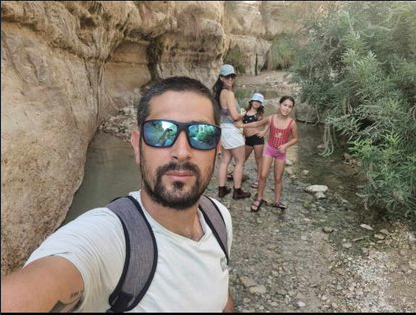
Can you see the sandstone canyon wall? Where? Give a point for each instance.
(65, 66)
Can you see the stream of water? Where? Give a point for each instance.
(110, 172)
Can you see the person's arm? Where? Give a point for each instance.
(293, 139)
(254, 124)
(49, 284)
(232, 107)
(229, 307)
(262, 133)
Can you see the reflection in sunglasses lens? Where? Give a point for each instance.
(202, 136)
(159, 133)
(163, 133)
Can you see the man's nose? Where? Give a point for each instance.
(181, 150)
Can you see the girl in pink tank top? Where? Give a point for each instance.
(278, 136)
(282, 134)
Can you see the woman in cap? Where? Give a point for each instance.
(255, 136)
(231, 138)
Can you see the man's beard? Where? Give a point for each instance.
(178, 198)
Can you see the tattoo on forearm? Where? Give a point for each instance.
(61, 307)
(76, 295)
(58, 308)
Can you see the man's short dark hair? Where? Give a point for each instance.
(177, 84)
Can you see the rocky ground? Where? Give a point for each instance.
(316, 256)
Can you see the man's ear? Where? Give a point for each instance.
(134, 140)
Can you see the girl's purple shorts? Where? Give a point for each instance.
(270, 151)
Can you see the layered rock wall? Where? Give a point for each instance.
(66, 65)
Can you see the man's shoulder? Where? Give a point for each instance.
(91, 232)
(96, 213)
(93, 221)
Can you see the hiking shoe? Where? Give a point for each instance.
(240, 194)
(223, 191)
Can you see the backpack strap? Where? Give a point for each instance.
(141, 258)
(215, 221)
(141, 255)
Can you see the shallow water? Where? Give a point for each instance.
(247, 93)
(110, 172)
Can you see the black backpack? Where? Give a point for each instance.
(140, 264)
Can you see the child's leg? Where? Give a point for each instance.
(248, 149)
(279, 166)
(258, 153)
(266, 162)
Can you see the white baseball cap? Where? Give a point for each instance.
(257, 97)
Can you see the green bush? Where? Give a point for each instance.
(359, 69)
(234, 57)
(283, 51)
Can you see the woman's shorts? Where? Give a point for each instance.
(273, 152)
(231, 137)
(253, 140)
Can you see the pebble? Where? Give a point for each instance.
(327, 229)
(366, 227)
(260, 289)
(384, 231)
(282, 292)
(247, 282)
(319, 195)
(359, 238)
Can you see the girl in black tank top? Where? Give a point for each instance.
(254, 136)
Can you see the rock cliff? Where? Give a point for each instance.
(67, 65)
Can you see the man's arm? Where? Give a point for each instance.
(229, 307)
(49, 284)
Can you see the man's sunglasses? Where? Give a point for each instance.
(161, 133)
